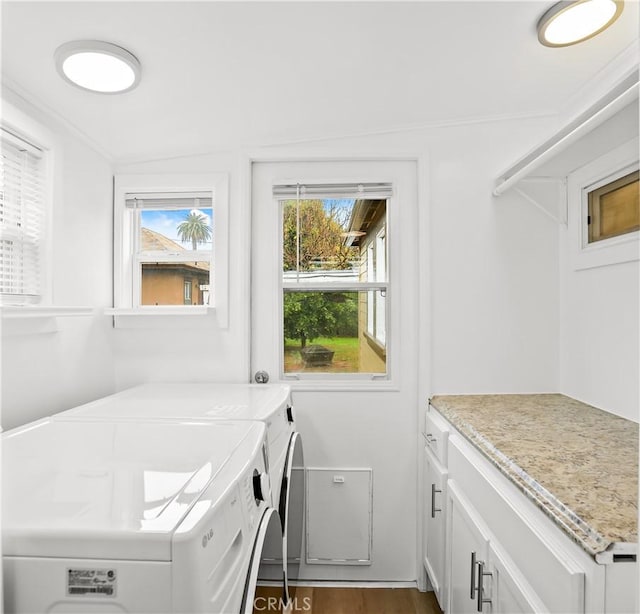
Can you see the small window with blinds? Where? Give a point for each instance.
(172, 239)
(22, 219)
(335, 284)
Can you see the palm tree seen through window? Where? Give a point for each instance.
(194, 229)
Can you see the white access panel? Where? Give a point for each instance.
(339, 516)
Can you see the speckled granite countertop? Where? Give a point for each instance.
(578, 463)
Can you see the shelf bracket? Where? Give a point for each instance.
(548, 190)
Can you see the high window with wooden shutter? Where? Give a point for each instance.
(614, 208)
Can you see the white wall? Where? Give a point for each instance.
(600, 340)
(599, 305)
(492, 278)
(192, 348)
(52, 364)
(493, 267)
(507, 311)
(599, 295)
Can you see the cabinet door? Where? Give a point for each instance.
(467, 544)
(511, 593)
(435, 481)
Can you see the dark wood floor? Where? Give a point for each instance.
(320, 600)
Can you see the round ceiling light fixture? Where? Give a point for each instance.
(98, 66)
(567, 23)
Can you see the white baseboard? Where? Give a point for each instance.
(352, 584)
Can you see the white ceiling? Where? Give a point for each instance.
(222, 75)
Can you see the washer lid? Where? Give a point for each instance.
(191, 400)
(99, 489)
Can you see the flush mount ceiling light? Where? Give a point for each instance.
(98, 66)
(567, 23)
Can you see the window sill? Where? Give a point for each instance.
(617, 250)
(165, 317)
(20, 320)
(39, 311)
(339, 382)
(154, 311)
(305, 385)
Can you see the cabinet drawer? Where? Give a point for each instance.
(436, 434)
(557, 571)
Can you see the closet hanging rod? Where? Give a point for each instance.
(624, 93)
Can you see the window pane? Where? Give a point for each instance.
(20, 268)
(380, 317)
(381, 257)
(175, 230)
(370, 312)
(326, 239)
(174, 283)
(614, 209)
(325, 332)
(22, 219)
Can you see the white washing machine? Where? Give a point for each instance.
(268, 403)
(124, 516)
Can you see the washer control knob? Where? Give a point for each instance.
(261, 486)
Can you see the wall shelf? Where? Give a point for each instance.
(38, 311)
(617, 101)
(196, 317)
(21, 320)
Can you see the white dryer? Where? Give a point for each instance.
(268, 403)
(116, 516)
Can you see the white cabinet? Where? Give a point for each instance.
(433, 530)
(523, 561)
(536, 563)
(467, 545)
(480, 575)
(511, 593)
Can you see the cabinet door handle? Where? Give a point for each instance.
(481, 574)
(434, 509)
(472, 594)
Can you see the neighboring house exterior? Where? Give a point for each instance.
(367, 231)
(171, 283)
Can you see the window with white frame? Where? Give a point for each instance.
(166, 233)
(334, 278)
(604, 210)
(613, 207)
(23, 219)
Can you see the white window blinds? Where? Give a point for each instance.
(22, 218)
(336, 190)
(170, 200)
